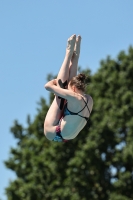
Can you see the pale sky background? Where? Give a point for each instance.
(33, 35)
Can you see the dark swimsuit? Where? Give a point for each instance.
(58, 136)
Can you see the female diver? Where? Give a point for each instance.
(71, 108)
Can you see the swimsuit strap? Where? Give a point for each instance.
(81, 109)
(86, 105)
(87, 118)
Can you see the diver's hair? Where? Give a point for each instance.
(79, 81)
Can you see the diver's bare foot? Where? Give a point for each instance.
(70, 45)
(77, 46)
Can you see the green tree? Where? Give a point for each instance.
(96, 165)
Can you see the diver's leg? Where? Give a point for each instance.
(52, 118)
(63, 74)
(55, 112)
(74, 61)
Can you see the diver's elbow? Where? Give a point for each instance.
(46, 86)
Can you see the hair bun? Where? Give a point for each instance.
(79, 81)
(81, 77)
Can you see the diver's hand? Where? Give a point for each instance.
(55, 82)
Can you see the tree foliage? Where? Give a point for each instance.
(98, 163)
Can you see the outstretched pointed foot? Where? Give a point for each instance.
(77, 46)
(70, 44)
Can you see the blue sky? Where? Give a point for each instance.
(33, 37)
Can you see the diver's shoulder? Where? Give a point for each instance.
(89, 97)
(90, 101)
